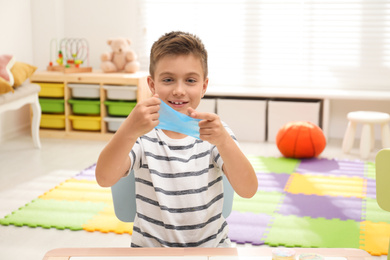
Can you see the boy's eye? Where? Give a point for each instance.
(191, 80)
(167, 80)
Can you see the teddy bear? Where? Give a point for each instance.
(121, 58)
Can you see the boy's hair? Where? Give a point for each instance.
(178, 43)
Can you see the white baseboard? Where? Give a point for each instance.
(14, 132)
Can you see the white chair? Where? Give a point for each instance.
(27, 93)
(123, 195)
(367, 139)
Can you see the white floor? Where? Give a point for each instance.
(26, 172)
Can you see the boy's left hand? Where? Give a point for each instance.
(210, 127)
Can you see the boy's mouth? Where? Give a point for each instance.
(177, 103)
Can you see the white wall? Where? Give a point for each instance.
(93, 20)
(29, 26)
(97, 21)
(16, 39)
(47, 23)
(340, 108)
(34, 26)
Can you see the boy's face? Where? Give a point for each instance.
(179, 81)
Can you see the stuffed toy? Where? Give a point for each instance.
(121, 58)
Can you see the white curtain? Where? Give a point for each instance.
(332, 44)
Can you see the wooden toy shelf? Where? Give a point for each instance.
(97, 78)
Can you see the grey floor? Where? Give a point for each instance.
(26, 173)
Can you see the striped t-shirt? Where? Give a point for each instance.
(179, 192)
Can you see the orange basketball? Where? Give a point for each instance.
(300, 140)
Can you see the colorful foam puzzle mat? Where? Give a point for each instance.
(316, 202)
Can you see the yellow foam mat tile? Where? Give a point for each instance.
(326, 185)
(106, 221)
(375, 237)
(79, 190)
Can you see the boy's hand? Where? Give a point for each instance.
(210, 127)
(144, 117)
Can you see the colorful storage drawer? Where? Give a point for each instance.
(52, 121)
(121, 92)
(51, 89)
(119, 108)
(52, 105)
(113, 123)
(85, 107)
(90, 123)
(85, 90)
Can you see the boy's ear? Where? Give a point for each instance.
(151, 85)
(205, 85)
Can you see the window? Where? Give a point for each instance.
(342, 44)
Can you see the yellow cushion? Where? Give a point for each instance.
(5, 86)
(21, 71)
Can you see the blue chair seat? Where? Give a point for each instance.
(123, 195)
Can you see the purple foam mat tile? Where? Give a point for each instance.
(371, 189)
(248, 227)
(87, 174)
(325, 166)
(85, 177)
(272, 182)
(328, 207)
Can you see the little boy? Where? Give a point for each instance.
(178, 177)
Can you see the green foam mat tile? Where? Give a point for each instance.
(273, 164)
(261, 202)
(78, 204)
(292, 231)
(369, 170)
(54, 214)
(374, 213)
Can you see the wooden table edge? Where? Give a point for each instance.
(66, 253)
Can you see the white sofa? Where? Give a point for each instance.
(27, 93)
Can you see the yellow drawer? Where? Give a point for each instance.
(90, 123)
(52, 121)
(51, 89)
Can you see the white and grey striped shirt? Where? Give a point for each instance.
(179, 192)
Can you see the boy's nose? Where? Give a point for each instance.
(179, 89)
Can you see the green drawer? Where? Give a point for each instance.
(85, 107)
(119, 108)
(51, 105)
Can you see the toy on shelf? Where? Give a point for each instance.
(120, 58)
(71, 54)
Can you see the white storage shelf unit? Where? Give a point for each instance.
(246, 117)
(259, 120)
(281, 112)
(87, 99)
(207, 105)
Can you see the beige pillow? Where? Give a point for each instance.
(21, 71)
(5, 86)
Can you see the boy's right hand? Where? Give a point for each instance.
(143, 118)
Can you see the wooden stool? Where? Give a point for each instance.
(367, 140)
